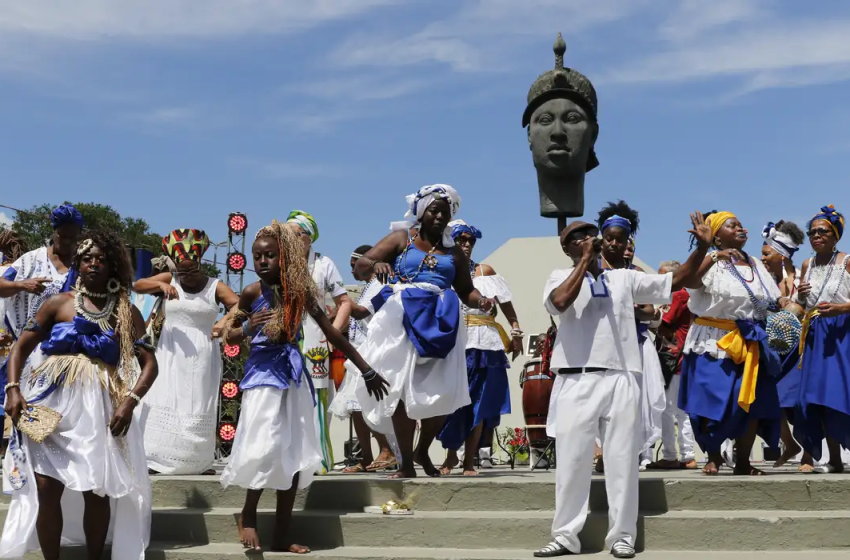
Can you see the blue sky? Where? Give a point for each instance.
(179, 111)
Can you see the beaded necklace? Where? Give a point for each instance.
(428, 260)
(100, 318)
(472, 267)
(761, 305)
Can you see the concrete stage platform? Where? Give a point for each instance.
(506, 514)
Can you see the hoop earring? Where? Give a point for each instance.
(835, 248)
(113, 286)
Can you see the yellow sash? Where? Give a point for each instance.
(807, 322)
(742, 352)
(488, 321)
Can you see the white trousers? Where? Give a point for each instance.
(583, 406)
(672, 416)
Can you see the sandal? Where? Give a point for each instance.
(354, 469)
(376, 465)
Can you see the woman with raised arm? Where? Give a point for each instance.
(181, 416)
(95, 453)
(415, 338)
(823, 407)
(728, 384)
(486, 361)
(276, 445)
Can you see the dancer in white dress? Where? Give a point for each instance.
(276, 445)
(416, 339)
(93, 461)
(345, 404)
(315, 344)
(180, 412)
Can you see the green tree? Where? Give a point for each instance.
(34, 227)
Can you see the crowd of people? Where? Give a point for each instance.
(705, 355)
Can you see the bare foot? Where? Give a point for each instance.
(293, 548)
(423, 460)
(248, 532)
(807, 469)
(790, 453)
(692, 464)
(450, 463)
(470, 472)
(600, 465)
(403, 473)
(710, 469)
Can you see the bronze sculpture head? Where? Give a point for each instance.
(562, 132)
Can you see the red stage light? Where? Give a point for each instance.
(232, 350)
(237, 223)
(229, 389)
(236, 262)
(227, 432)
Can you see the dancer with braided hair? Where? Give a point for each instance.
(95, 453)
(277, 445)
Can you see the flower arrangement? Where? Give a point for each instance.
(515, 443)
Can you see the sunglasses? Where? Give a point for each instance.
(465, 240)
(823, 232)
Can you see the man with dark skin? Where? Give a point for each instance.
(97, 267)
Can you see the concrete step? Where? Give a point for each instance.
(504, 490)
(709, 530)
(235, 551)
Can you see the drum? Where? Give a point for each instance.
(337, 367)
(536, 390)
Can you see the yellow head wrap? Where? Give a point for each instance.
(716, 221)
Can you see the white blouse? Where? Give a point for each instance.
(837, 289)
(484, 337)
(722, 296)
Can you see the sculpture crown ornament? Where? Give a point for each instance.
(561, 82)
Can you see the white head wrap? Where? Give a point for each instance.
(419, 201)
(780, 242)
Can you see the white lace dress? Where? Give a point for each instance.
(180, 409)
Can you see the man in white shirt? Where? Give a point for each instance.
(596, 357)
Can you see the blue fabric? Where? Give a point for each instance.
(709, 389)
(823, 406)
(642, 332)
(70, 280)
(466, 228)
(617, 221)
(144, 266)
(442, 275)
(789, 384)
(486, 371)
(431, 321)
(64, 215)
(82, 337)
(273, 364)
(4, 378)
(10, 274)
(832, 216)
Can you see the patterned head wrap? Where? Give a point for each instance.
(459, 226)
(186, 244)
(64, 215)
(306, 221)
(617, 221)
(419, 201)
(716, 220)
(780, 242)
(834, 217)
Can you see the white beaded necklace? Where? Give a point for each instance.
(100, 318)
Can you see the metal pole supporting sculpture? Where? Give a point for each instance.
(562, 131)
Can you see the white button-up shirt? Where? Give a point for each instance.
(601, 332)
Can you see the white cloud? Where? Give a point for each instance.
(694, 17)
(90, 20)
(5, 219)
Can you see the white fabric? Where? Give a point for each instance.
(316, 348)
(601, 332)
(483, 337)
(653, 400)
(837, 289)
(780, 242)
(181, 422)
(669, 434)
(428, 386)
(581, 406)
(84, 456)
(419, 201)
(722, 296)
(277, 438)
(345, 402)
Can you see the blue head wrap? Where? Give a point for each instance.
(834, 217)
(64, 215)
(617, 221)
(459, 226)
